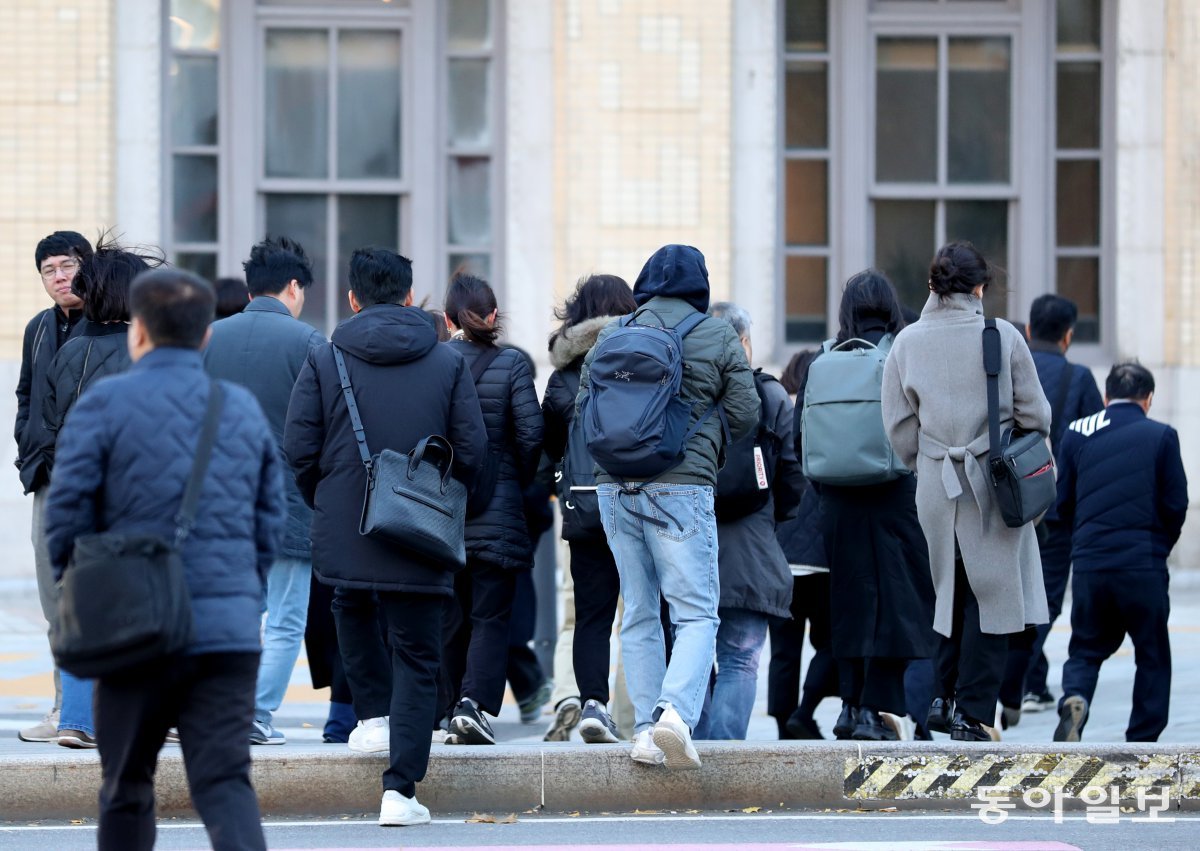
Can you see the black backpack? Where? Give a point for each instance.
(485, 482)
(744, 483)
(575, 480)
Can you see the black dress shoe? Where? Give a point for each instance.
(938, 720)
(803, 728)
(965, 729)
(870, 727)
(847, 721)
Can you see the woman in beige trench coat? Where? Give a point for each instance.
(987, 577)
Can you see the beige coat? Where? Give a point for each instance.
(935, 411)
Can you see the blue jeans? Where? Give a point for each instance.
(678, 561)
(76, 705)
(740, 640)
(288, 584)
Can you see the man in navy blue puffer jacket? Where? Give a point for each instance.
(124, 456)
(1122, 487)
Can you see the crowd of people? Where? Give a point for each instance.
(704, 504)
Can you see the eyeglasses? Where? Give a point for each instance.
(68, 268)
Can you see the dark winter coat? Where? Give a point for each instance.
(40, 346)
(673, 285)
(499, 534)
(1123, 488)
(407, 387)
(753, 570)
(558, 404)
(124, 456)
(802, 538)
(881, 588)
(263, 348)
(98, 349)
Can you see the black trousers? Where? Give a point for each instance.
(970, 663)
(873, 682)
(1105, 607)
(597, 587)
(210, 698)
(810, 604)
(1028, 669)
(476, 636)
(412, 655)
(524, 671)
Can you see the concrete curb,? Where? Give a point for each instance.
(568, 778)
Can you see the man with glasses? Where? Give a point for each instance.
(58, 258)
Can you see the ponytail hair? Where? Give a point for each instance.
(469, 302)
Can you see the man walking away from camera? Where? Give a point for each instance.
(407, 387)
(123, 459)
(263, 348)
(662, 529)
(1123, 490)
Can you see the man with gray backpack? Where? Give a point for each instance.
(660, 394)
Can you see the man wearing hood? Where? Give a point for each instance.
(677, 560)
(407, 387)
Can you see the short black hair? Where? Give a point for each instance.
(274, 263)
(1129, 380)
(105, 277)
(232, 296)
(175, 306)
(65, 242)
(1051, 317)
(379, 276)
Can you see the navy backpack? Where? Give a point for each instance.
(634, 421)
(575, 480)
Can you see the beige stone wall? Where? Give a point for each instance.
(643, 134)
(1181, 112)
(55, 141)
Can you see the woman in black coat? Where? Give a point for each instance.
(498, 544)
(97, 350)
(881, 589)
(597, 299)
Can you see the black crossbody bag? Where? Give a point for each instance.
(1020, 464)
(411, 501)
(124, 599)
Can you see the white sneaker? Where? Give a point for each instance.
(399, 811)
(644, 749)
(675, 740)
(371, 736)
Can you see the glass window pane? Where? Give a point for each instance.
(469, 25)
(192, 90)
(906, 110)
(979, 108)
(470, 89)
(296, 114)
(985, 224)
(196, 24)
(806, 90)
(1078, 25)
(479, 265)
(368, 104)
(904, 246)
(806, 25)
(1078, 104)
(1078, 202)
(303, 218)
(1079, 280)
(194, 198)
(806, 295)
(363, 220)
(203, 264)
(470, 201)
(806, 214)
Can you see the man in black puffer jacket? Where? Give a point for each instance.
(407, 387)
(1123, 490)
